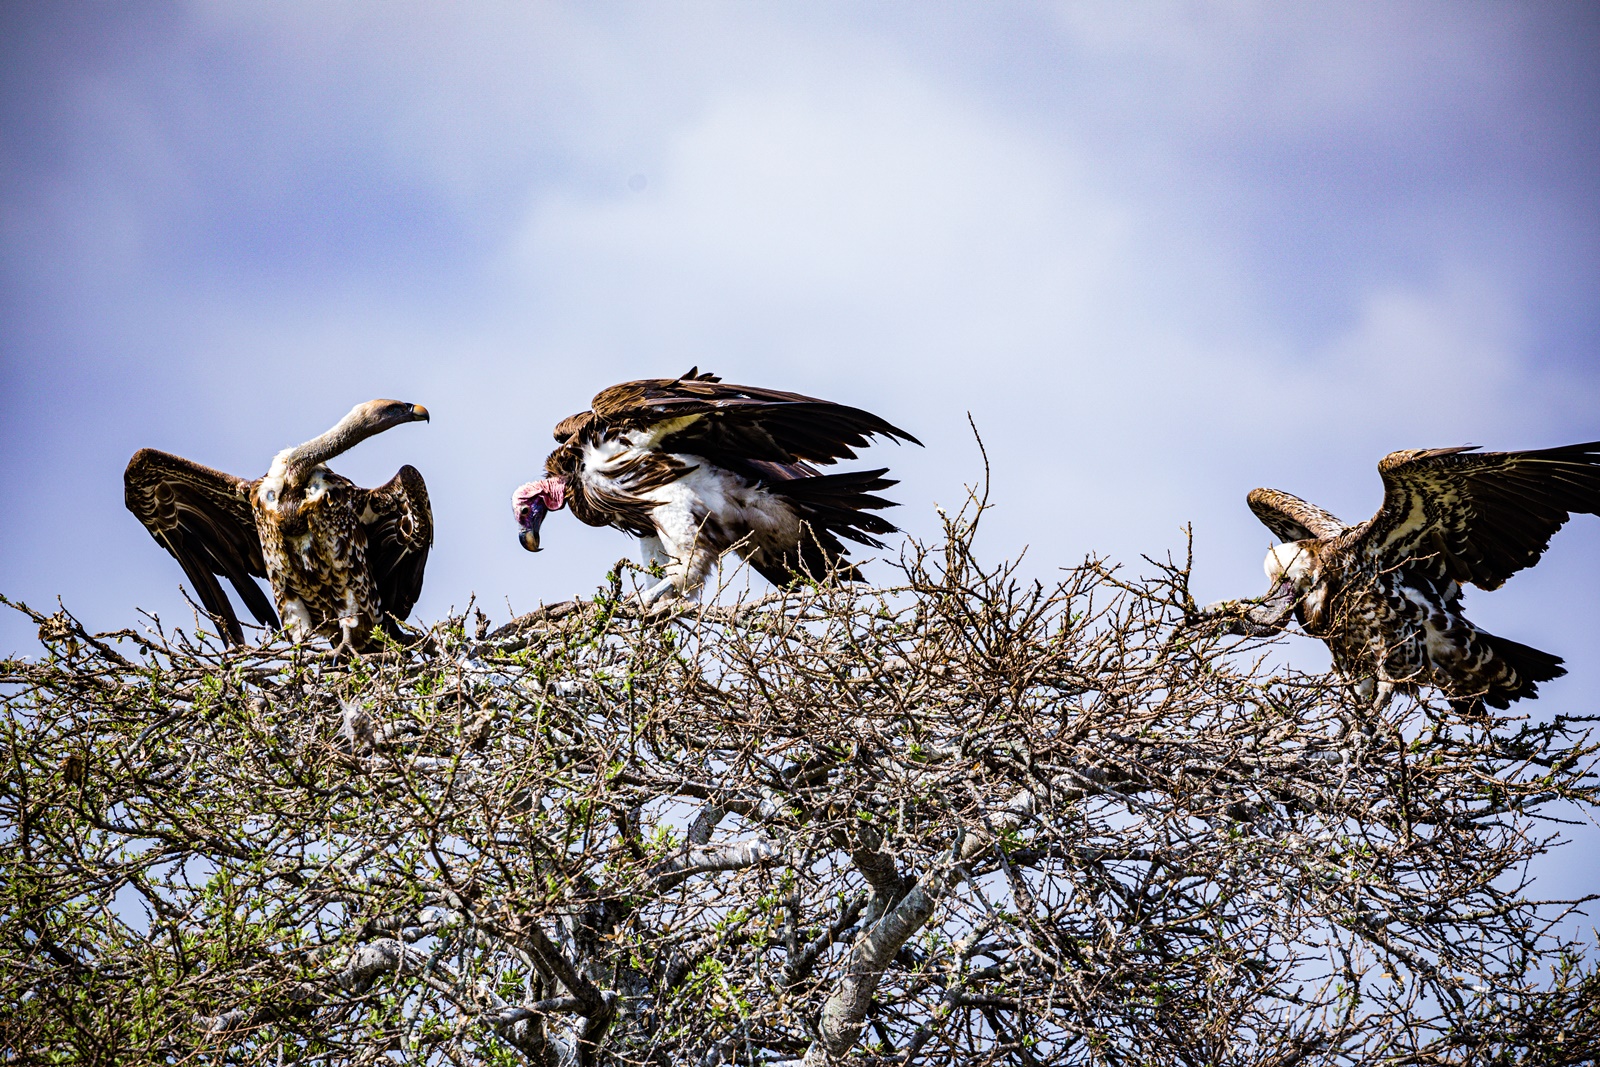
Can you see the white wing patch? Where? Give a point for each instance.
(647, 439)
(603, 457)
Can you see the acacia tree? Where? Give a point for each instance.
(966, 819)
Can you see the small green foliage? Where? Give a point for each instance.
(1016, 823)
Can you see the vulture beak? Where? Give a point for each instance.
(419, 413)
(1275, 608)
(530, 526)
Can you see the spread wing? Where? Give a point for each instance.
(203, 517)
(399, 526)
(1488, 514)
(1291, 518)
(732, 424)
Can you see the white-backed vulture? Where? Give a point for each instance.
(342, 561)
(1385, 595)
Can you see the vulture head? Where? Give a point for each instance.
(1290, 564)
(379, 415)
(532, 502)
(1292, 568)
(364, 421)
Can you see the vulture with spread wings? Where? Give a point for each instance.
(695, 467)
(342, 561)
(1386, 595)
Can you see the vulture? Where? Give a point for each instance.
(342, 561)
(695, 467)
(1385, 595)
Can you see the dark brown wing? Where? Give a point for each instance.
(1489, 514)
(1291, 518)
(729, 423)
(203, 517)
(399, 525)
(568, 427)
(781, 472)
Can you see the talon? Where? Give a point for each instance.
(649, 597)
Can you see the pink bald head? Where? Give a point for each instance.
(531, 502)
(549, 493)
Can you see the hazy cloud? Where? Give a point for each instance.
(1161, 252)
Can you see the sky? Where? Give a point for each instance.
(1160, 253)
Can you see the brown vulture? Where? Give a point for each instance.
(342, 560)
(695, 467)
(1385, 595)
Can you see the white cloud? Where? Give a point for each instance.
(1087, 236)
(874, 208)
(1251, 67)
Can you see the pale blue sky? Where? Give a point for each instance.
(1162, 252)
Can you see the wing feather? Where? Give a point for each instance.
(1291, 518)
(738, 422)
(572, 425)
(399, 535)
(646, 434)
(203, 518)
(1490, 513)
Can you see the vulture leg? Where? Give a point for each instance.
(1376, 692)
(686, 573)
(654, 552)
(1383, 693)
(665, 586)
(346, 648)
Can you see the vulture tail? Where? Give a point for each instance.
(831, 507)
(1529, 666)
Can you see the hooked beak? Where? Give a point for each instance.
(419, 413)
(530, 528)
(1275, 608)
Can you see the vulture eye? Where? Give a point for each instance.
(269, 496)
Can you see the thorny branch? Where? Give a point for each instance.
(967, 819)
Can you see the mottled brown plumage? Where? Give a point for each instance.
(1386, 594)
(1291, 518)
(696, 467)
(341, 560)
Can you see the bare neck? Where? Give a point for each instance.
(349, 432)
